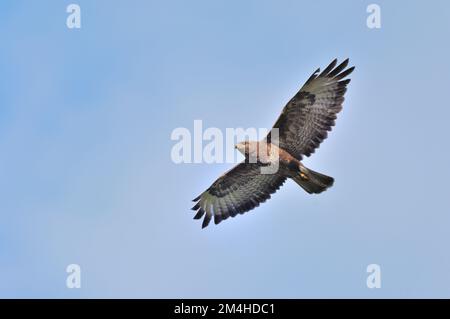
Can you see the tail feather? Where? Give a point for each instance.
(313, 182)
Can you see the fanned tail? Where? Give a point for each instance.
(313, 182)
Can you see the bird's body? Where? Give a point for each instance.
(270, 154)
(301, 127)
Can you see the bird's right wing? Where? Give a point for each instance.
(308, 117)
(237, 191)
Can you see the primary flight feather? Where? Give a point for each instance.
(303, 124)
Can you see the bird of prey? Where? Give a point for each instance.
(303, 124)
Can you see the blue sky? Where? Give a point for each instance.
(86, 175)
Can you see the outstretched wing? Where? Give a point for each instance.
(237, 191)
(308, 117)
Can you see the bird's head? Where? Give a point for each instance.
(241, 147)
(246, 147)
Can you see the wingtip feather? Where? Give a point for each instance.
(206, 220)
(328, 68)
(199, 214)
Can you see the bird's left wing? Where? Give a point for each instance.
(237, 191)
(306, 119)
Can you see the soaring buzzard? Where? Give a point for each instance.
(303, 124)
